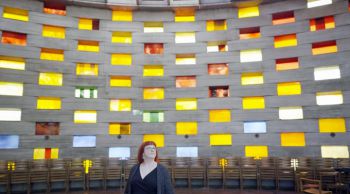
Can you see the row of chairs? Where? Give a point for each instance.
(220, 171)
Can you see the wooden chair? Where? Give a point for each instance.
(231, 171)
(214, 170)
(76, 172)
(267, 171)
(331, 181)
(58, 172)
(114, 170)
(4, 175)
(167, 163)
(249, 171)
(197, 170)
(180, 171)
(97, 172)
(285, 171)
(20, 175)
(39, 173)
(312, 186)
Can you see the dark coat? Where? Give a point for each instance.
(164, 185)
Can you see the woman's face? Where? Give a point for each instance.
(150, 151)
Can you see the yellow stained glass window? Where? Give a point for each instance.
(122, 15)
(121, 59)
(45, 153)
(12, 63)
(54, 32)
(251, 55)
(51, 79)
(257, 152)
(325, 47)
(185, 15)
(85, 24)
(89, 69)
(256, 102)
(329, 98)
(153, 70)
(186, 128)
(215, 25)
(286, 40)
(290, 113)
(119, 128)
(247, 12)
(252, 78)
(185, 37)
(186, 104)
(11, 88)
(335, 151)
(153, 27)
(219, 116)
(15, 14)
(157, 138)
(122, 37)
(48, 103)
(120, 81)
(185, 59)
(220, 139)
(85, 116)
(52, 54)
(288, 88)
(332, 125)
(292, 139)
(120, 105)
(153, 93)
(89, 46)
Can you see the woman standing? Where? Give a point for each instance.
(148, 177)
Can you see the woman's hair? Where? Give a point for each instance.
(142, 149)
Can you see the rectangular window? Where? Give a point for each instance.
(122, 16)
(283, 18)
(11, 88)
(14, 38)
(88, 46)
(216, 116)
(252, 78)
(47, 128)
(216, 25)
(119, 128)
(9, 141)
(120, 81)
(254, 127)
(187, 152)
(84, 141)
(156, 138)
(185, 59)
(153, 48)
(121, 59)
(249, 33)
(52, 54)
(54, 32)
(288, 88)
(247, 12)
(257, 152)
(12, 63)
(185, 15)
(256, 102)
(327, 73)
(317, 3)
(251, 55)
(153, 116)
(120, 105)
(88, 24)
(292, 139)
(290, 113)
(51, 79)
(287, 64)
(54, 7)
(153, 27)
(186, 128)
(45, 153)
(322, 23)
(122, 37)
(331, 125)
(285, 40)
(88, 69)
(186, 104)
(335, 151)
(219, 91)
(186, 81)
(122, 153)
(85, 116)
(220, 139)
(217, 46)
(15, 14)
(185, 37)
(153, 93)
(218, 69)
(48, 103)
(325, 47)
(10, 114)
(329, 98)
(153, 71)
(86, 92)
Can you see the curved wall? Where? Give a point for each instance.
(271, 81)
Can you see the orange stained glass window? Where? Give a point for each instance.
(54, 7)
(287, 64)
(218, 69)
(153, 48)
(219, 91)
(214, 25)
(283, 18)
(292, 139)
(249, 33)
(186, 81)
(322, 23)
(185, 15)
(14, 38)
(286, 40)
(15, 14)
(45, 153)
(324, 47)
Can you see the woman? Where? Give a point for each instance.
(148, 177)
